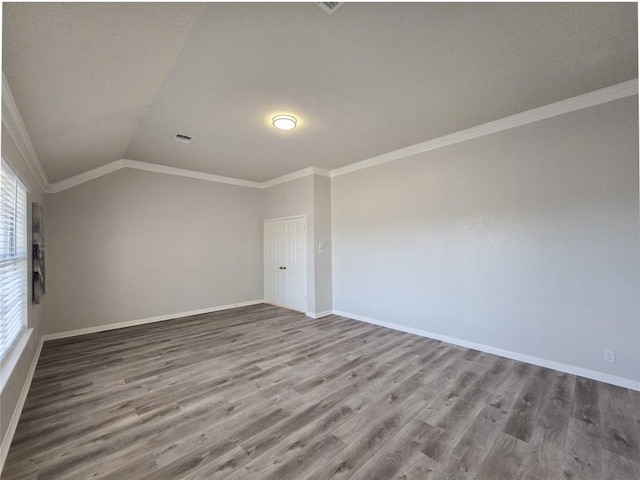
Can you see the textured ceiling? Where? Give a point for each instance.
(100, 82)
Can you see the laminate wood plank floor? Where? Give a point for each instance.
(261, 393)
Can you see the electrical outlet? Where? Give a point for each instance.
(374, 307)
(163, 305)
(609, 356)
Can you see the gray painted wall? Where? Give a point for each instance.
(322, 233)
(123, 244)
(525, 240)
(36, 319)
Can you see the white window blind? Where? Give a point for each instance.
(13, 258)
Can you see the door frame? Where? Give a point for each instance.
(306, 258)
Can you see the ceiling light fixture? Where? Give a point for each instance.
(284, 122)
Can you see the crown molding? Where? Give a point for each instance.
(295, 175)
(12, 120)
(16, 127)
(148, 167)
(85, 176)
(597, 97)
(181, 172)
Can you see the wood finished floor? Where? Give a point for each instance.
(265, 393)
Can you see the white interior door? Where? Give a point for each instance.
(285, 262)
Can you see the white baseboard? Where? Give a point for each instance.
(13, 423)
(142, 321)
(541, 362)
(319, 315)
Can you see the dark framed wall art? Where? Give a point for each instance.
(38, 277)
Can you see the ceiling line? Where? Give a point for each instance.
(13, 121)
(591, 99)
(166, 75)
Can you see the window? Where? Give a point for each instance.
(13, 258)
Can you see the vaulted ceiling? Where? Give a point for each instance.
(98, 82)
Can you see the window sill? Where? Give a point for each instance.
(11, 359)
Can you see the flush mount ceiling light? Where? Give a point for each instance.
(284, 122)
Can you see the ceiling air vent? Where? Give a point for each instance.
(329, 7)
(182, 138)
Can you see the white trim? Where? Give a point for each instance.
(321, 171)
(142, 321)
(12, 120)
(12, 357)
(541, 362)
(597, 97)
(181, 172)
(17, 411)
(290, 217)
(86, 176)
(315, 316)
(295, 175)
(149, 167)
